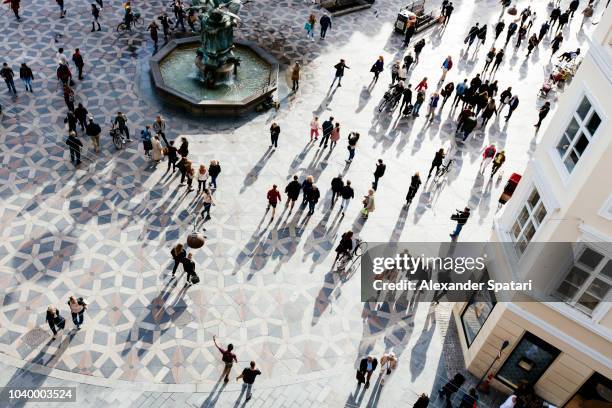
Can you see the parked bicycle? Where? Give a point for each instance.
(119, 139)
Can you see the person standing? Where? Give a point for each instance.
(183, 149)
(512, 104)
(77, 58)
(69, 98)
(159, 127)
(366, 367)
(410, 30)
(327, 128)
(248, 375)
(81, 114)
(207, 202)
(202, 177)
(26, 76)
(190, 174)
(347, 195)
(334, 136)
(178, 254)
(172, 157)
(542, 113)
(353, 138)
(326, 24)
(93, 130)
(295, 76)
(7, 73)
(156, 149)
(378, 173)
(189, 268)
(77, 310)
(368, 204)
(337, 184)
(74, 145)
(461, 217)
(274, 133)
(487, 157)
(446, 66)
(378, 67)
(145, 136)
(313, 199)
(293, 192)
(227, 357)
(55, 321)
(273, 197)
(314, 128)
(166, 24)
(95, 14)
(433, 104)
(436, 162)
(340, 67)
(418, 47)
(499, 28)
(415, 182)
(15, 8)
(153, 31)
(214, 169)
(498, 160)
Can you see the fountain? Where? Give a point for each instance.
(213, 73)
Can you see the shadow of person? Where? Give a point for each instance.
(356, 398)
(375, 395)
(418, 355)
(214, 395)
(364, 97)
(253, 174)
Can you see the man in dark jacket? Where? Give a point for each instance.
(378, 173)
(71, 120)
(347, 194)
(340, 67)
(407, 98)
(327, 128)
(189, 268)
(74, 144)
(173, 157)
(542, 113)
(543, 30)
(337, 184)
(77, 58)
(366, 367)
(326, 24)
(472, 34)
(7, 73)
(461, 217)
(415, 182)
(410, 29)
(499, 28)
(93, 130)
(81, 114)
(313, 199)
(293, 192)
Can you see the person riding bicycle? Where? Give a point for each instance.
(345, 246)
(121, 123)
(128, 17)
(395, 92)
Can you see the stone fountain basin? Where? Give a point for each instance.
(175, 78)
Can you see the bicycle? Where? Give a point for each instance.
(136, 21)
(391, 98)
(443, 171)
(119, 139)
(348, 260)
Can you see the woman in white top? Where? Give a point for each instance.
(157, 149)
(314, 128)
(208, 201)
(202, 177)
(388, 363)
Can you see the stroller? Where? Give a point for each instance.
(545, 89)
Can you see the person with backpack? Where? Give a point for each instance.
(461, 217)
(249, 374)
(447, 64)
(293, 192)
(498, 161)
(93, 130)
(228, 358)
(178, 254)
(273, 197)
(77, 310)
(189, 268)
(55, 321)
(415, 182)
(487, 157)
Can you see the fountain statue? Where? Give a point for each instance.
(215, 58)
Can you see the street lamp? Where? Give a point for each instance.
(505, 344)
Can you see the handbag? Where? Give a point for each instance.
(61, 322)
(195, 279)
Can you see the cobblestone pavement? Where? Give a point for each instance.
(104, 230)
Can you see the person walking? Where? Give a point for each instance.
(60, 3)
(189, 268)
(95, 14)
(337, 184)
(172, 157)
(436, 162)
(481, 35)
(26, 76)
(556, 43)
(418, 47)
(415, 182)
(563, 20)
(522, 32)
(378, 173)
(153, 29)
(460, 92)
(420, 98)
(433, 104)
(587, 13)
(214, 169)
(489, 59)
(512, 104)
(81, 114)
(313, 199)
(408, 61)
(334, 136)
(326, 24)
(274, 198)
(554, 16)
(77, 58)
(309, 26)
(340, 67)
(488, 154)
(446, 93)
(15, 7)
(499, 28)
(378, 67)
(410, 30)
(207, 203)
(395, 72)
(447, 64)
(69, 98)
(178, 254)
(248, 375)
(448, 11)
(532, 43)
(166, 26)
(461, 217)
(366, 367)
(512, 27)
(353, 138)
(295, 76)
(368, 204)
(499, 57)
(406, 100)
(388, 364)
(293, 192)
(471, 36)
(71, 120)
(542, 113)
(7, 73)
(202, 177)
(488, 112)
(327, 128)
(274, 134)
(190, 174)
(159, 128)
(543, 30)
(498, 160)
(504, 98)
(573, 6)
(93, 130)
(314, 128)
(74, 145)
(77, 310)
(145, 136)
(306, 188)
(55, 321)
(347, 193)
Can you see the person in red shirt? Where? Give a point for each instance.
(487, 157)
(421, 85)
(273, 198)
(227, 357)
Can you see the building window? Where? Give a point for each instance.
(528, 361)
(528, 221)
(588, 281)
(578, 134)
(476, 313)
